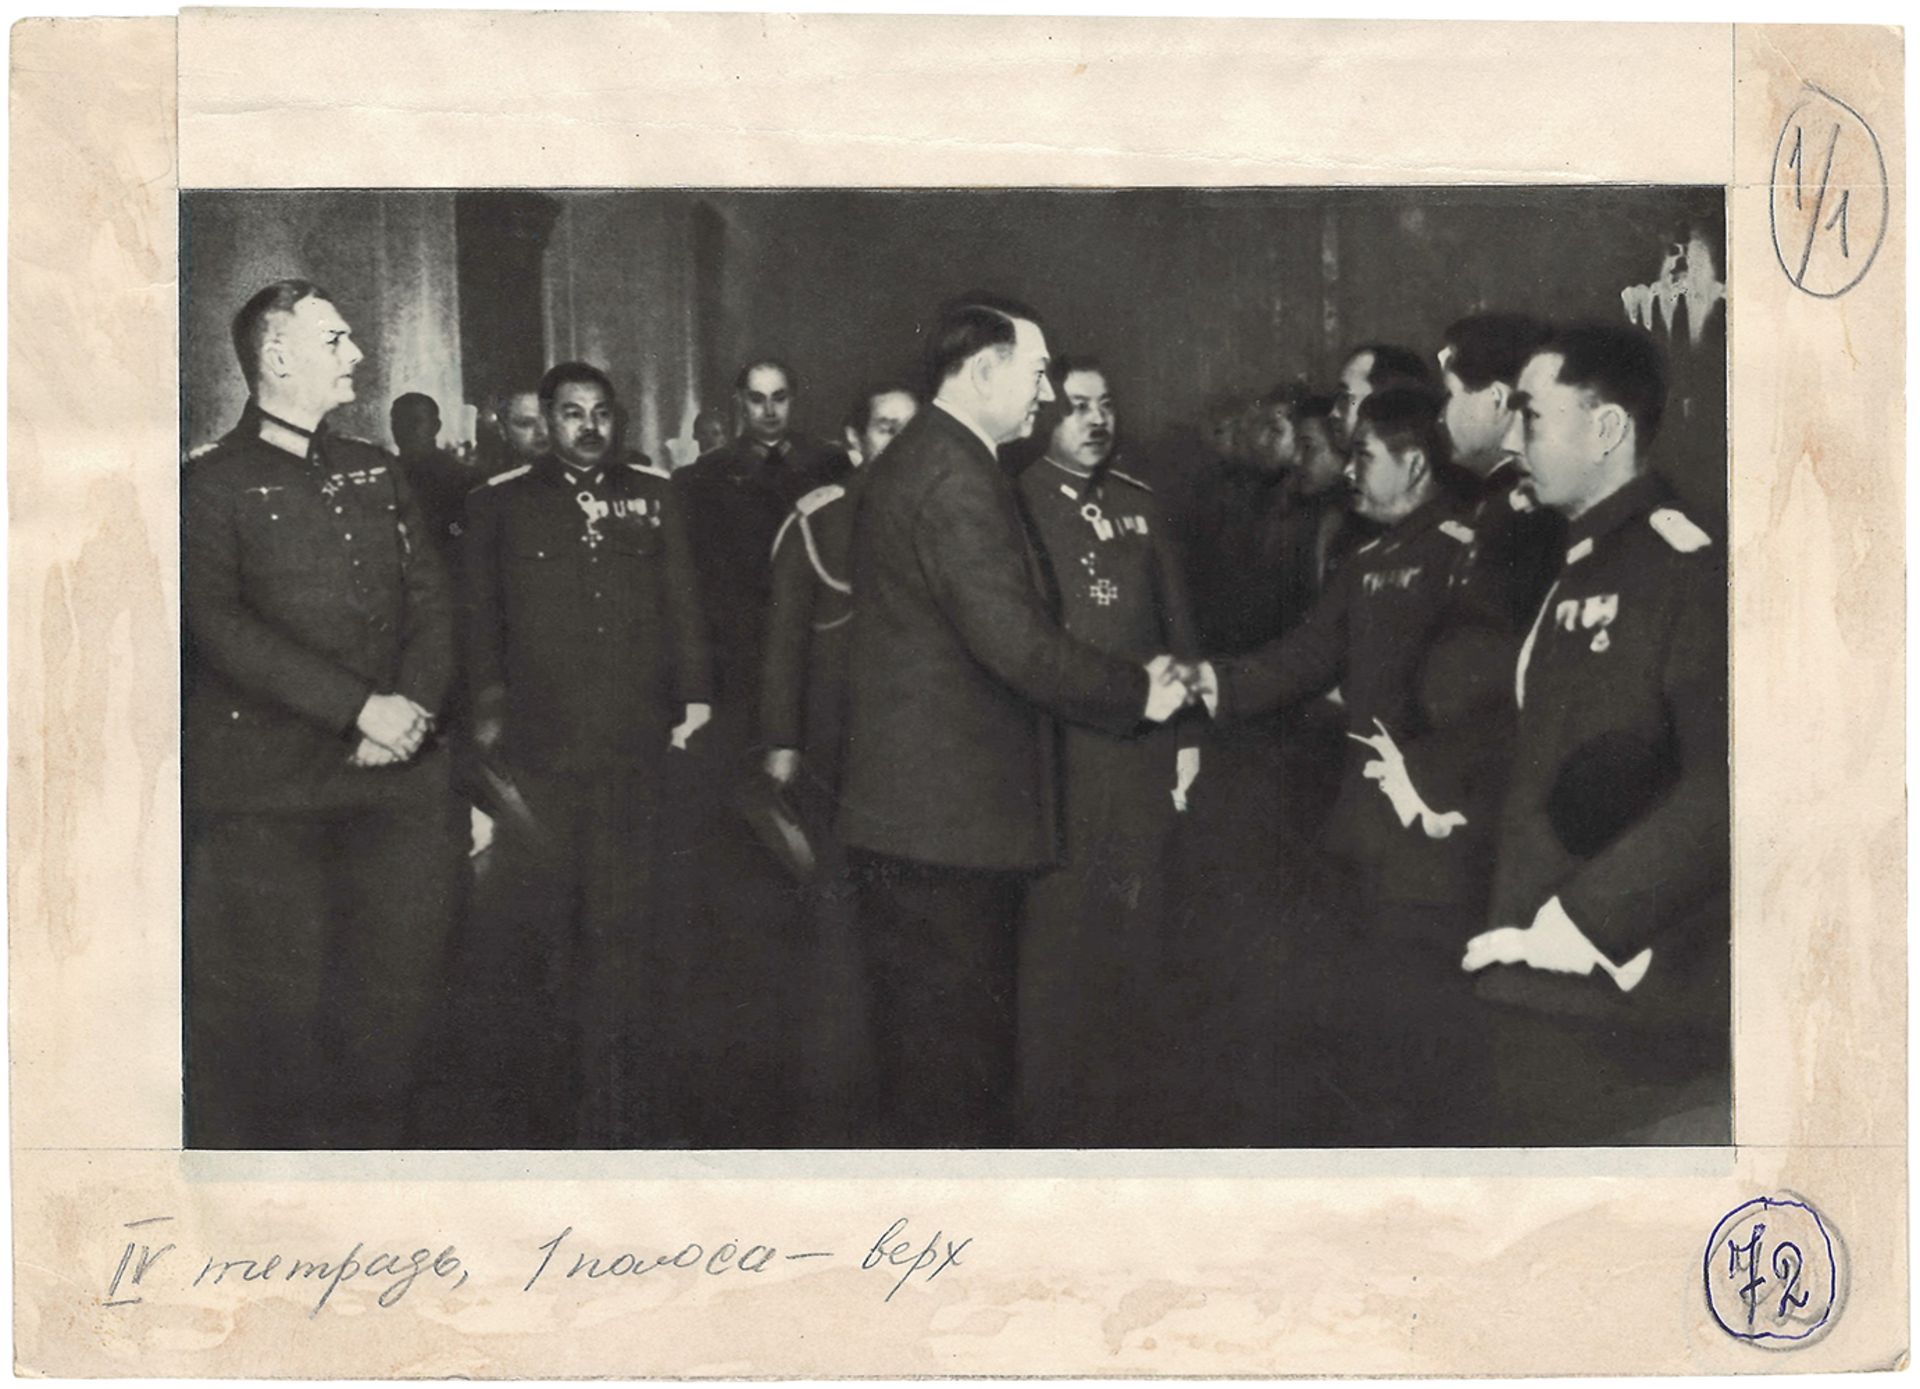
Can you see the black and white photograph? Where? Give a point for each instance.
(803, 696)
(965, 668)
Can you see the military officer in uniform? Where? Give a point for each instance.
(1419, 790)
(1092, 1024)
(323, 849)
(588, 661)
(737, 497)
(438, 479)
(1609, 949)
(1519, 542)
(803, 694)
(803, 715)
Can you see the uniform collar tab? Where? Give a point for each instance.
(285, 435)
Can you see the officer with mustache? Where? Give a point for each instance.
(1090, 993)
(588, 661)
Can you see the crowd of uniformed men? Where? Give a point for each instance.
(955, 788)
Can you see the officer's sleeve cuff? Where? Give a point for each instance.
(351, 699)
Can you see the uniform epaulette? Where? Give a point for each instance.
(509, 475)
(1370, 545)
(819, 497)
(1457, 530)
(649, 468)
(1130, 478)
(196, 454)
(1671, 525)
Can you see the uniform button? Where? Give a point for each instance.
(236, 714)
(339, 511)
(601, 630)
(356, 564)
(349, 535)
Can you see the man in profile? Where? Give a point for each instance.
(1373, 367)
(1610, 903)
(323, 848)
(1520, 543)
(959, 669)
(1413, 818)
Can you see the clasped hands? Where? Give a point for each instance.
(392, 728)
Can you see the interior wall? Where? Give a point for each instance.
(620, 292)
(387, 258)
(1185, 294)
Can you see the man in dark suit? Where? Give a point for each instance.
(959, 668)
(323, 848)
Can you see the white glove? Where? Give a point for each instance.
(698, 716)
(1553, 942)
(1389, 768)
(1186, 766)
(481, 827)
(1166, 694)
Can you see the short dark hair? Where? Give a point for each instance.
(412, 400)
(860, 413)
(1488, 347)
(1393, 363)
(1060, 368)
(793, 382)
(968, 325)
(1622, 365)
(1047, 418)
(1407, 417)
(250, 324)
(573, 374)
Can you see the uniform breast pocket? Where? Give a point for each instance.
(535, 569)
(279, 528)
(635, 537)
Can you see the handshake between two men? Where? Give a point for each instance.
(1552, 942)
(1174, 684)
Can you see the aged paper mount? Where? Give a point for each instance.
(1172, 1263)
